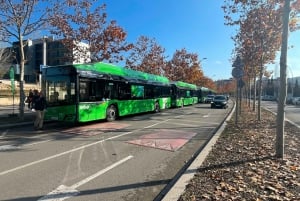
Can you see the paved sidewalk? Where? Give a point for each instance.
(9, 116)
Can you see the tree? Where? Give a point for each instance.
(283, 80)
(182, 64)
(240, 8)
(264, 25)
(147, 56)
(85, 21)
(20, 19)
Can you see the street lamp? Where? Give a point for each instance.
(44, 58)
(203, 59)
(289, 68)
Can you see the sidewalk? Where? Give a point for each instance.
(9, 116)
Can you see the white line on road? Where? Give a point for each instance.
(60, 154)
(63, 192)
(35, 143)
(161, 122)
(86, 180)
(157, 123)
(76, 149)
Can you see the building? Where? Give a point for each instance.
(55, 54)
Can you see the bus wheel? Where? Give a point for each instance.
(111, 113)
(156, 107)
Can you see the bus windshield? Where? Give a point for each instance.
(60, 90)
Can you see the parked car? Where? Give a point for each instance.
(209, 98)
(219, 101)
(268, 98)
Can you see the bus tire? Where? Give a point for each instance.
(156, 107)
(111, 113)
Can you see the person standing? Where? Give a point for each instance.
(29, 99)
(40, 105)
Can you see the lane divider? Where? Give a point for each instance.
(64, 192)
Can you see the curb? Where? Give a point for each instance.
(179, 187)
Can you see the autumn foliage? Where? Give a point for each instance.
(79, 21)
(148, 56)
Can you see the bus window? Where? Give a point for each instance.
(137, 91)
(57, 91)
(157, 92)
(91, 90)
(83, 91)
(99, 90)
(166, 92)
(124, 92)
(149, 91)
(188, 93)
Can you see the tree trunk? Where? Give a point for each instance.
(254, 93)
(248, 92)
(22, 64)
(283, 82)
(240, 95)
(260, 88)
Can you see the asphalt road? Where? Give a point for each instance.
(133, 158)
(292, 112)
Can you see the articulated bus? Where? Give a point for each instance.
(183, 94)
(88, 92)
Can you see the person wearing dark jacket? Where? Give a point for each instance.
(29, 99)
(40, 106)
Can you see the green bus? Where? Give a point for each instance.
(202, 92)
(88, 92)
(183, 94)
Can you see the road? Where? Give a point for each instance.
(292, 112)
(133, 158)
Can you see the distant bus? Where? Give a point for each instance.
(88, 92)
(183, 94)
(202, 93)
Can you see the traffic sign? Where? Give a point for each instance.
(238, 63)
(237, 72)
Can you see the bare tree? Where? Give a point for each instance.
(19, 19)
(240, 8)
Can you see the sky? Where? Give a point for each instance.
(196, 25)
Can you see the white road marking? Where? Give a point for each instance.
(182, 124)
(156, 124)
(64, 192)
(60, 154)
(76, 149)
(86, 180)
(35, 143)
